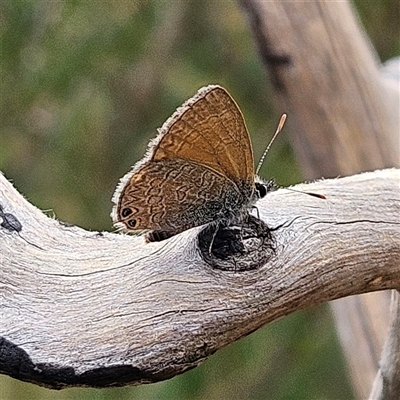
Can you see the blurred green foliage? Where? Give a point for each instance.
(85, 84)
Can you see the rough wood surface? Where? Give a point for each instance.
(344, 117)
(101, 309)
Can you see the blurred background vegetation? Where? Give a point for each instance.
(85, 84)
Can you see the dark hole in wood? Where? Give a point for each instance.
(239, 247)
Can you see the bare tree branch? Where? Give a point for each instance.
(344, 113)
(102, 309)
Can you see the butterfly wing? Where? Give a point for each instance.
(198, 169)
(174, 195)
(208, 129)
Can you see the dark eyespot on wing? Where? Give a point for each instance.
(126, 212)
(131, 223)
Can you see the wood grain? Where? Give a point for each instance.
(343, 108)
(104, 309)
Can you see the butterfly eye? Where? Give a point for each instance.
(261, 189)
(132, 223)
(126, 212)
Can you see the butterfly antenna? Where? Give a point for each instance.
(278, 129)
(319, 196)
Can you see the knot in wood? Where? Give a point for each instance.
(237, 247)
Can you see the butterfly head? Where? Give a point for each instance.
(262, 188)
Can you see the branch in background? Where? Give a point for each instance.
(387, 382)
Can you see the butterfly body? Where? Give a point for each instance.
(198, 170)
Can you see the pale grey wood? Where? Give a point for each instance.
(344, 118)
(362, 325)
(387, 382)
(84, 300)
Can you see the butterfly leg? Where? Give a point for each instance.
(226, 240)
(158, 236)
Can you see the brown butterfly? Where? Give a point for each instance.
(199, 169)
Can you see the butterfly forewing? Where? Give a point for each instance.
(209, 129)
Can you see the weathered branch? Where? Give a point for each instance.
(102, 309)
(344, 113)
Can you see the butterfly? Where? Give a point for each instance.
(198, 170)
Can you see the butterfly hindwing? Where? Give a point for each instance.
(164, 196)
